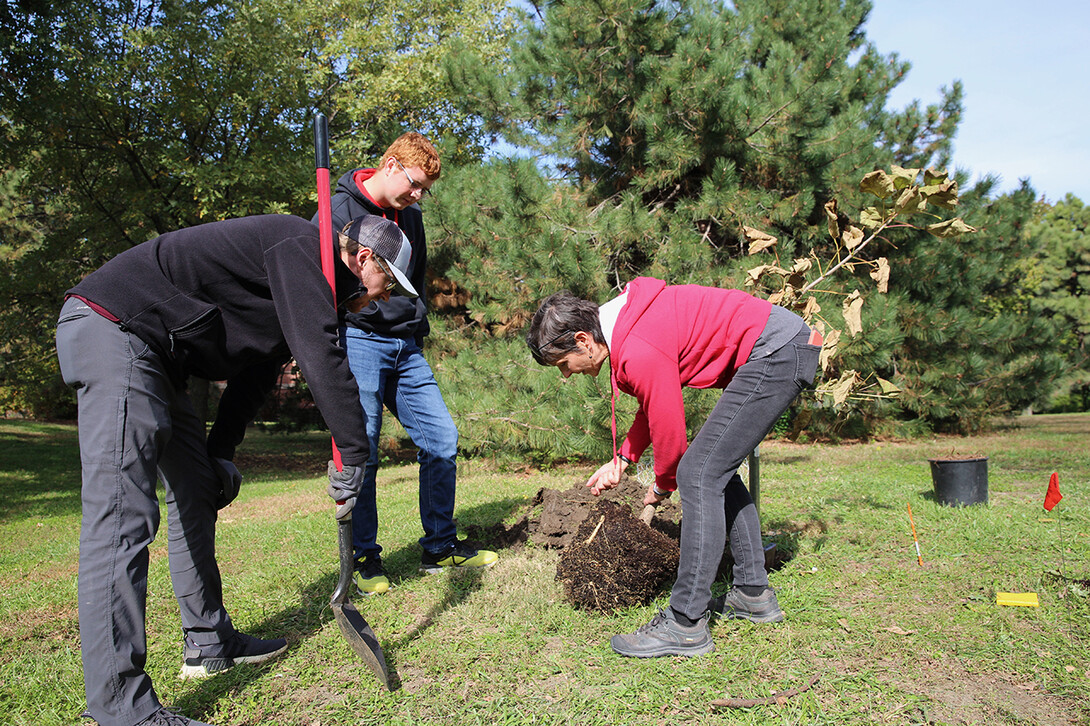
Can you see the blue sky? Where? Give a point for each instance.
(1025, 68)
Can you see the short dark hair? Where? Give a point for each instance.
(558, 318)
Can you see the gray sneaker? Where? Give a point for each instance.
(761, 608)
(202, 661)
(665, 636)
(167, 717)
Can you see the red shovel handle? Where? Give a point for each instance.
(325, 218)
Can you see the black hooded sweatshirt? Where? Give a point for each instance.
(225, 298)
(399, 317)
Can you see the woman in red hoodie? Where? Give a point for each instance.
(659, 338)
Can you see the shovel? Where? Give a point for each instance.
(353, 626)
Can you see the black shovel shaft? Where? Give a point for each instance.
(344, 541)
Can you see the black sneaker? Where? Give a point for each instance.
(762, 608)
(460, 554)
(167, 717)
(371, 577)
(164, 716)
(665, 636)
(206, 660)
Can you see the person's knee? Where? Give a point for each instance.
(689, 471)
(441, 449)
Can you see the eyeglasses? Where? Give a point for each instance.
(539, 349)
(416, 186)
(392, 281)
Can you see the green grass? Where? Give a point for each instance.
(892, 642)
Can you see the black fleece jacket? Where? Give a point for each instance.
(234, 297)
(399, 317)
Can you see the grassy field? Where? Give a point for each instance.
(891, 642)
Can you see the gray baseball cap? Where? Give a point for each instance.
(385, 239)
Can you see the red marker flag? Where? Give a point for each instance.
(1053, 496)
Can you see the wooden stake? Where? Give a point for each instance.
(914, 539)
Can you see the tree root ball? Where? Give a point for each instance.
(616, 560)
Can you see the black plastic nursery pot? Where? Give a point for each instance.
(960, 482)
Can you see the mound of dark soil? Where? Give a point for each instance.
(600, 576)
(616, 560)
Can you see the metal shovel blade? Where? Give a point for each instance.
(361, 638)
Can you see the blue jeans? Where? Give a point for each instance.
(714, 502)
(393, 372)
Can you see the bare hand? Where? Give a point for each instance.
(607, 477)
(652, 498)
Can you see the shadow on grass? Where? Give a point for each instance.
(297, 624)
(788, 534)
(313, 612)
(39, 471)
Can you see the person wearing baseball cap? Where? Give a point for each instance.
(233, 301)
(382, 240)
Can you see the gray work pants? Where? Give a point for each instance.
(713, 499)
(133, 422)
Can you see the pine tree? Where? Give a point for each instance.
(1057, 277)
(973, 346)
(682, 127)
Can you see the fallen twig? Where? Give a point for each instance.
(776, 698)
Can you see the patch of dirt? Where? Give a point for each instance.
(958, 696)
(302, 462)
(553, 517)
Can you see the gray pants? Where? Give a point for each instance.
(713, 499)
(133, 423)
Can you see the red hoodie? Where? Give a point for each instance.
(667, 337)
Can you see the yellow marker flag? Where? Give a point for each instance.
(1017, 599)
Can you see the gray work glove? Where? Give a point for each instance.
(230, 481)
(344, 487)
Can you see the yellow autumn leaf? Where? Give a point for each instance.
(887, 387)
(828, 348)
(880, 274)
(830, 213)
(878, 183)
(853, 237)
(934, 176)
(950, 228)
(853, 313)
(757, 239)
(870, 218)
(910, 201)
(903, 177)
(942, 194)
(843, 388)
(810, 309)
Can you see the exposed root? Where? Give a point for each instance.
(776, 698)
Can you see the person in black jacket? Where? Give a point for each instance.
(384, 343)
(211, 301)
